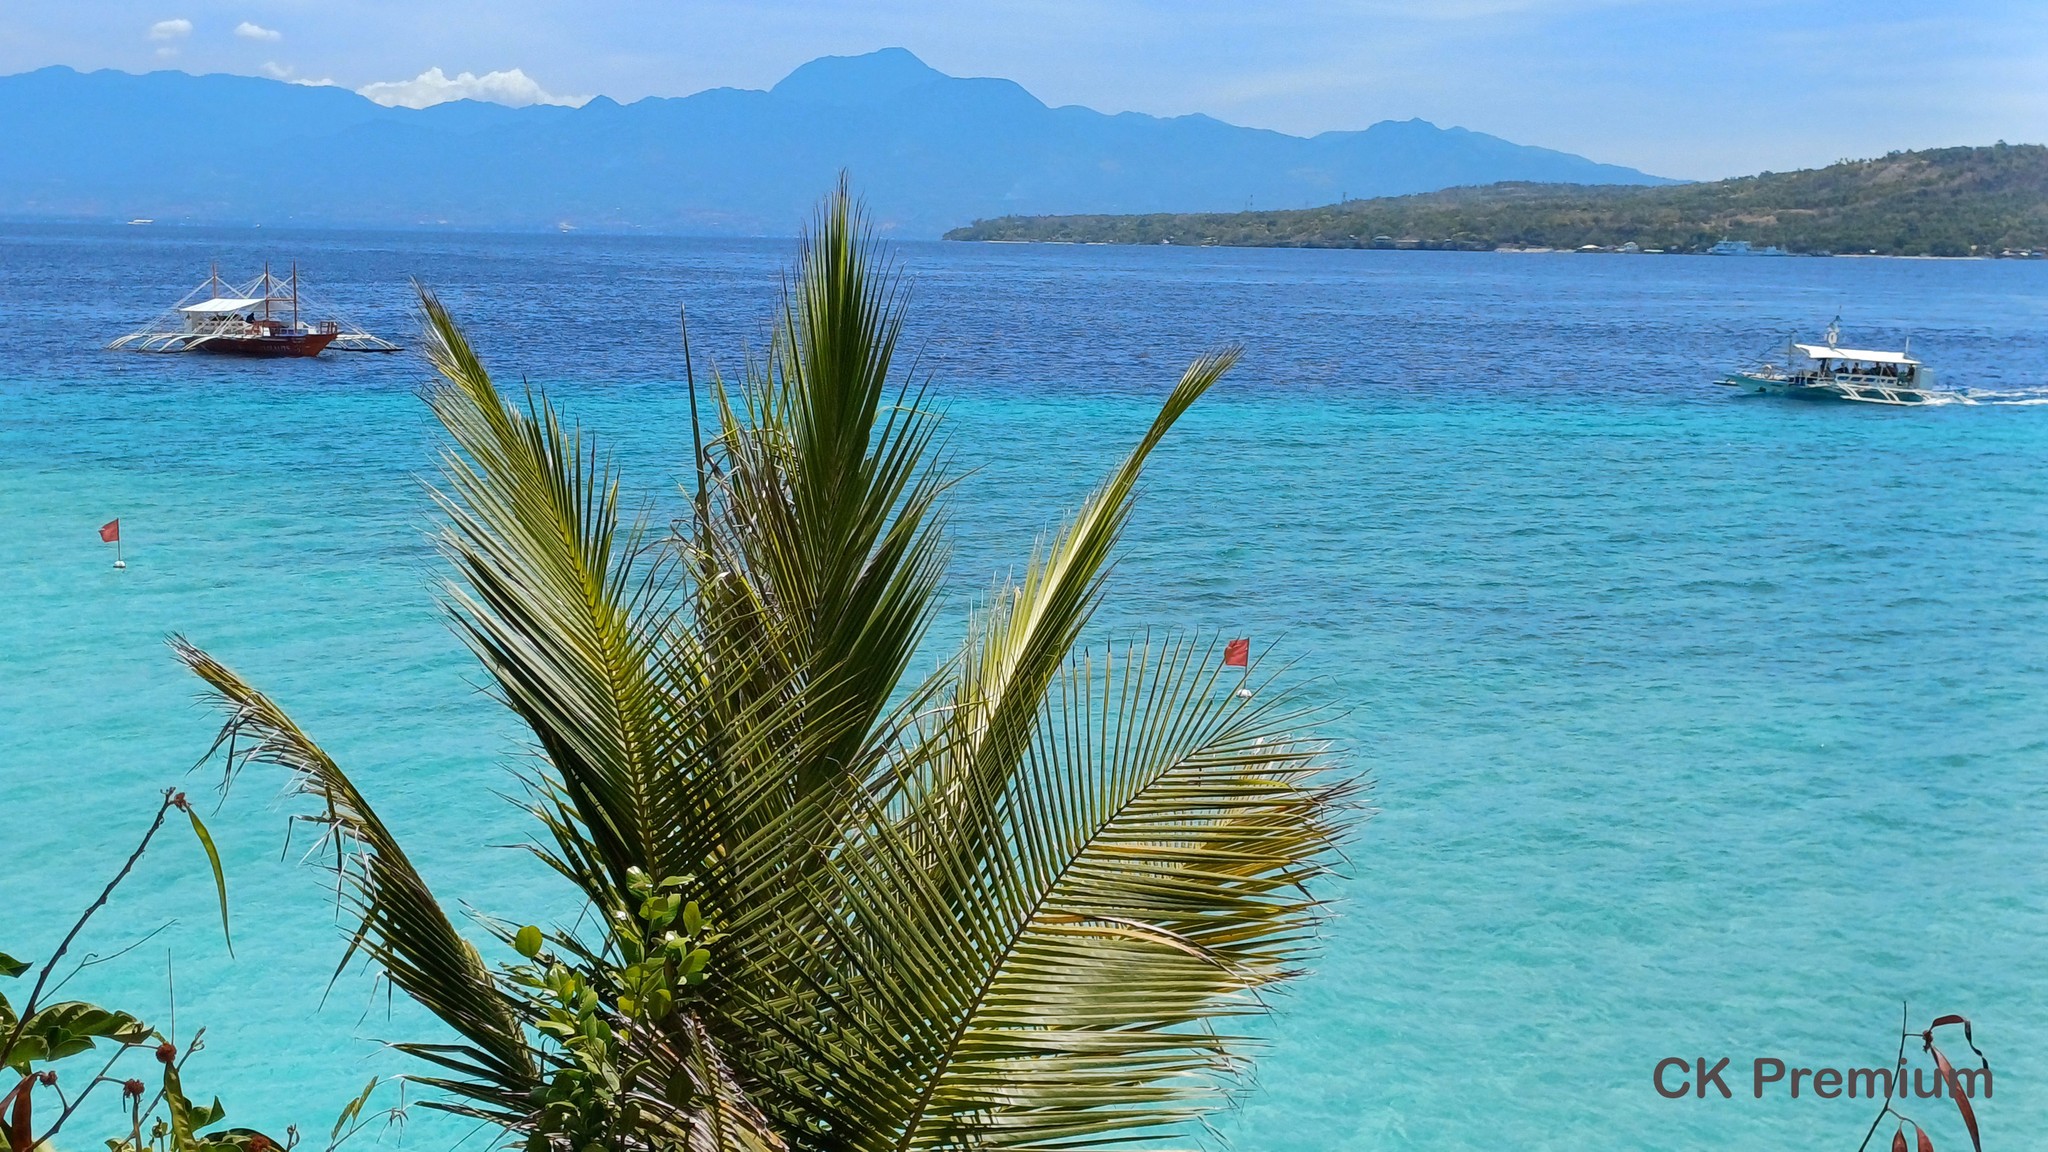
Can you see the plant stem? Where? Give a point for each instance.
(28, 1009)
(72, 1106)
(1898, 1071)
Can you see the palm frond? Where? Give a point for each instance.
(564, 614)
(401, 926)
(815, 580)
(1016, 649)
(828, 552)
(1161, 838)
(1146, 876)
(687, 1098)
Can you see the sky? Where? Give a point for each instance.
(1695, 89)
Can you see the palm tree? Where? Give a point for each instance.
(1017, 902)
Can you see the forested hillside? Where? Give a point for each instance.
(1943, 202)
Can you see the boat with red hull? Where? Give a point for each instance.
(260, 319)
(273, 339)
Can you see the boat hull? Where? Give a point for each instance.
(1862, 393)
(1777, 387)
(269, 346)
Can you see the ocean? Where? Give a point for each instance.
(1699, 724)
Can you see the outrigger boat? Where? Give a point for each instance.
(260, 318)
(1830, 372)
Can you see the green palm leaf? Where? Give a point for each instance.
(1016, 650)
(1160, 838)
(563, 615)
(825, 559)
(1145, 876)
(402, 927)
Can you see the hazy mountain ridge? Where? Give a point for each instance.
(930, 151)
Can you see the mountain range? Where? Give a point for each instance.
(928, 150)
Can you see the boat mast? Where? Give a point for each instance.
(267, 291)
(295, 295)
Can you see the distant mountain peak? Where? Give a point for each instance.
(871, 78)
(928, 150)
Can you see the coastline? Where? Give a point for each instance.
(1504, 249)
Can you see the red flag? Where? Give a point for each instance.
(1238, 653)
(110, 531)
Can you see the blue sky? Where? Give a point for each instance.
(1681, 88)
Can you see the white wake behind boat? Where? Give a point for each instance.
(1828, 371)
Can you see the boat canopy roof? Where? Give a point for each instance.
(221, 304)
(1830, 352)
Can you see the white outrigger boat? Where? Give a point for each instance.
(1830, 372)
(260, 318)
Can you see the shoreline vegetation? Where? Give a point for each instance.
(1955, 202)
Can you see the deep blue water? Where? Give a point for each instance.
(1700, 724)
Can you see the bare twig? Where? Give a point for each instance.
(71, 1106)
(172, 798)
(94, 958)
(1898, 1071)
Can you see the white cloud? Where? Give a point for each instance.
(512, 88)
(248, 31)
(286, 72)
(170, 29)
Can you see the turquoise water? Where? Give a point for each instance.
(1700, 724)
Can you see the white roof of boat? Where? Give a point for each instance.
(1830, 352)
(223, 304)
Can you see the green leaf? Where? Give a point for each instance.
(527, 943)
(354, 1109)
(693, 918)
(403, 928)
(183, 1130)
(220, 880)
(71, 1027)
(237, 1140)
(11, 967)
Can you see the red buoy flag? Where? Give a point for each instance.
(110, 531)
(1238, 653)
